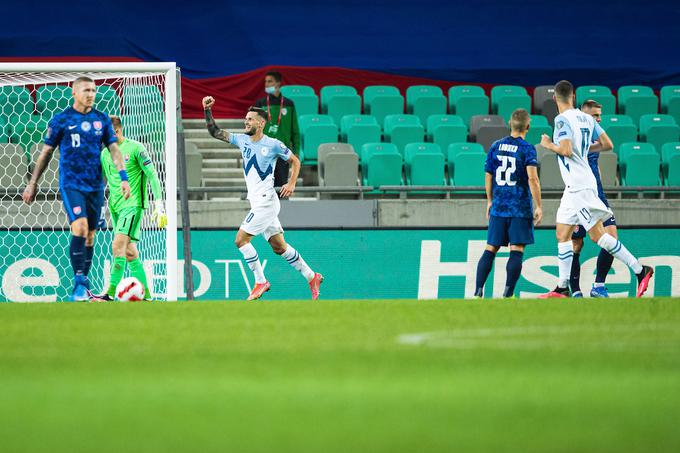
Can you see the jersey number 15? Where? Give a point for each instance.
(505, 171)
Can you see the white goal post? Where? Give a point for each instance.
(145, 96)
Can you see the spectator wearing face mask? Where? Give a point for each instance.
(282, 122)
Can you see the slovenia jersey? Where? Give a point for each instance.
(259, 161)
(80, 137)
(582, 130)
(507, 162)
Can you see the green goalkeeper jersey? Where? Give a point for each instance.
(140, 171)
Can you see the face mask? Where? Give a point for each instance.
(270, 90)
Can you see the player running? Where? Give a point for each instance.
(79, 132)
(574, 135)
(259, 154)
(511, 183)
(127, 214)
(604, 259)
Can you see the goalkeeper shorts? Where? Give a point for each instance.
(128, 222)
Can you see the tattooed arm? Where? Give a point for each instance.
(214, 130)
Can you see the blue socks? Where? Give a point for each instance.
(89, 252)
(483, 270)
(77, 253)
(604, 263)
(575, 276)
(513, 271)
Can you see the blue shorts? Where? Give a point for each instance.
(510, 230)
(78, 204)
(580, 232)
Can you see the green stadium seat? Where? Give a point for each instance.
(373, 91)
(424, 107)
(342, 105)
(667, 152)
(107, 100)
(658, 130)
(598, 93)
(627, 150)
(539, 120)
(328, 92)
(620, 129)
(368, 149)
(420, 148)
(468, 169)
(641, 170)
(360, 134)
(427, 169)
(28, 130)
(392, 121)
(609, 120)
(446, 134)
(501, 91)
(672, 175)
(670, 101)
(348, 121)
(305, 104)
(403, 129)
(457, 148)
(637, 100)
(508, 104)
(53, 99)
(308, 120)
(377, 171)
(296, 90)
(434, 121)
(315, 135)
(413, 93)
(467, 101)
(15, 101)
(537, 128)
(384, 105)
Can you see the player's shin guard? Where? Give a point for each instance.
(513, 270)
(89, 252)
(137, 271)
(565, 255)
(604, 263)
(294, 259)
(77, 253)
(253, 260)
(616, 248)
(483, 269)
(575, 274)
(117, 272)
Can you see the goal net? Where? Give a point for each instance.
(34, 240)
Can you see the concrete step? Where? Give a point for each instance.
(221, 123)
(225, 182)
(210, 143)
(220, 153)
(224, 198)
(190, 134)
(222, 173)
(221, 163)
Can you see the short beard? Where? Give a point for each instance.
(251, 132)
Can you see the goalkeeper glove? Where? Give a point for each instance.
(159, 215)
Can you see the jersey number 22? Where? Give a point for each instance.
(505, 171)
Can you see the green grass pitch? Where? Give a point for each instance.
(341, 376)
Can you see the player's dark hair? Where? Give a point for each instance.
(259, 111)
(564, 90)
(519, 121)
(590, 104)
(275, 74)
(82, 79)
(116, 122)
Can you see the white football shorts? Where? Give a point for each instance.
(263, 218)
(582, 208)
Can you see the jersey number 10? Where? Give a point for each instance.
(505, 171)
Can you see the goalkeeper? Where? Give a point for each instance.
(127, 214)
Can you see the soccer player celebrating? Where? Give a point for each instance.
(79, 132)
(127, 214)
(604, 259)
(259, 154)
(511, 183)
(573, 139)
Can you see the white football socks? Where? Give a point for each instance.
(250, 255)
(565, 255)
(294, 259)
(618, 251)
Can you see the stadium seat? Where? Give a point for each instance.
(670, 101)
(508, 104)
(343, 104)
(392, 121)
(457, 148)
(15, 101)
(381, 164)
(315, 135)
(548, 168)
(637, 100)
(549, 110)
(194, 161)
(305, 104)
(446, 134)
(538, 126)
(598, 93)
(424, 107)
(107, 100)
(413, 93)
(467, 101)
(341, 169)
(427, 169)
(667, 152)
(609, 120)
(672, 175)
(296, 90)
(420, 148)
(478, 121)
(328, 92)
(434, 121)
(468, 169)
(373, 91)
(361, 134)
(403, 129)
(307, 120)
(348, 121)
(658, 130)
(13, 166)
(620, 129)
(608, 165)
(375, 148)
(641, 169)
(27, 130)
(53, 99)
(486, 129)
(327, 148)
(500, 91)
(542, 94)
(384, 105)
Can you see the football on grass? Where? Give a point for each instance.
(130, 289)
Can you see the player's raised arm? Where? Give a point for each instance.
(117, 158)
(214, 130)
(40, 166)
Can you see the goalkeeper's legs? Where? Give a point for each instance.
(119, 246)
(137, 268)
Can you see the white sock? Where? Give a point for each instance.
(294, 259)
(253, 260)
(619, 252)
(565, 255)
